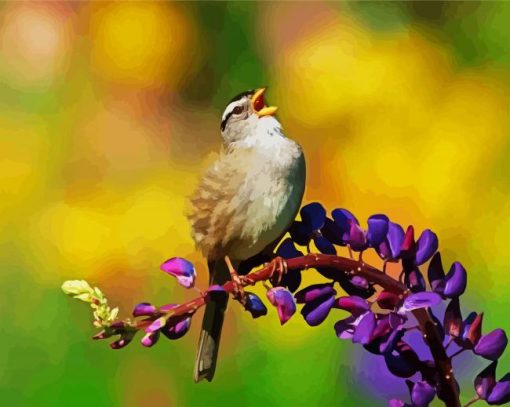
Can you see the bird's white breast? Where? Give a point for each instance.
(270, 195)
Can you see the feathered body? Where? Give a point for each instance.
(250, 195)
(245, 201)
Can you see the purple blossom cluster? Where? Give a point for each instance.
(379, 319)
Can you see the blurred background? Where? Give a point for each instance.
(109, 112)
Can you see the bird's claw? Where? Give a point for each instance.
(279, 266)
(237, 282)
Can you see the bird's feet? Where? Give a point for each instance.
(238, 293)
(278, 269)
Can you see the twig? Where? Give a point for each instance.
(446, 389)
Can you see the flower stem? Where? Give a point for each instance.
(472, 401)
(447, 387)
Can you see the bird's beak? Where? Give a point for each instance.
(259, 106)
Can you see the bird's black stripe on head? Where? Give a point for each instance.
(224, 121)
(238, 97)
(242, 95)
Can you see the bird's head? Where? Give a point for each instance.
(245, 115)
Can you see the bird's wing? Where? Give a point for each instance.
(212, 204)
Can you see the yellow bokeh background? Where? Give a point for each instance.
(109, 112)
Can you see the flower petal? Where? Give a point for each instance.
(284, 302)
(342, 218)
(387, 300)
(181, 269)
(156, 325)
(360, 282)
(402, 361)
(485, 380)
(453, 318)
(420, 300)
(300, 233)
(357, 237)
(324, 245)
(422, 394)
(427, 245)
(332, 232)
(124, 340)
(150, 339)
(500, 393)
(354, 304)
(254, 305)
(313, 292)
(364, 329)
(455, 281)
(395, 238)
(475, 329)
(177, 327)
(377, 229)
(435, 274)
(144, 309)
(492, 345)
(414, 280)
(287, 250)
(316, 312)
(313, 215)
(408, 244)
(351, 289)
(344, 328)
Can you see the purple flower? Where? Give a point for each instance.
(125, 339)
(176, 327)
(420, 300)
(414, 279)
(360, 282)
(313, 220)
(402, 361)
(364, 329)
(455, 281)
(422, 393)
(492, 345)
(354, 304)
(426, 246)
(283, 300)
(150, 339)
(408, 247)
(395, 239)
(436, 275)
(254, 305)
(314, 292)
(156, 325)
(144, 309)
(343, 219)
(500, 393)
(486, 380)
(344, 328)
(377, 229)
(453, 318)
(181, 269)
(318, 299)
(388, 300)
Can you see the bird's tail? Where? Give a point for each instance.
(209, 342)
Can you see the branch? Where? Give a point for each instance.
(447, 389)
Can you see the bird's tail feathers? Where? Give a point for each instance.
(209, 342)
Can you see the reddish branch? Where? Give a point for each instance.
(447, 389)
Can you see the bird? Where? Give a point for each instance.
(244, 204)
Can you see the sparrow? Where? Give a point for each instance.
(244, 204)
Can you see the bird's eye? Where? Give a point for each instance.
(238, 109)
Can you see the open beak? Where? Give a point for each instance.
(259, 106)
